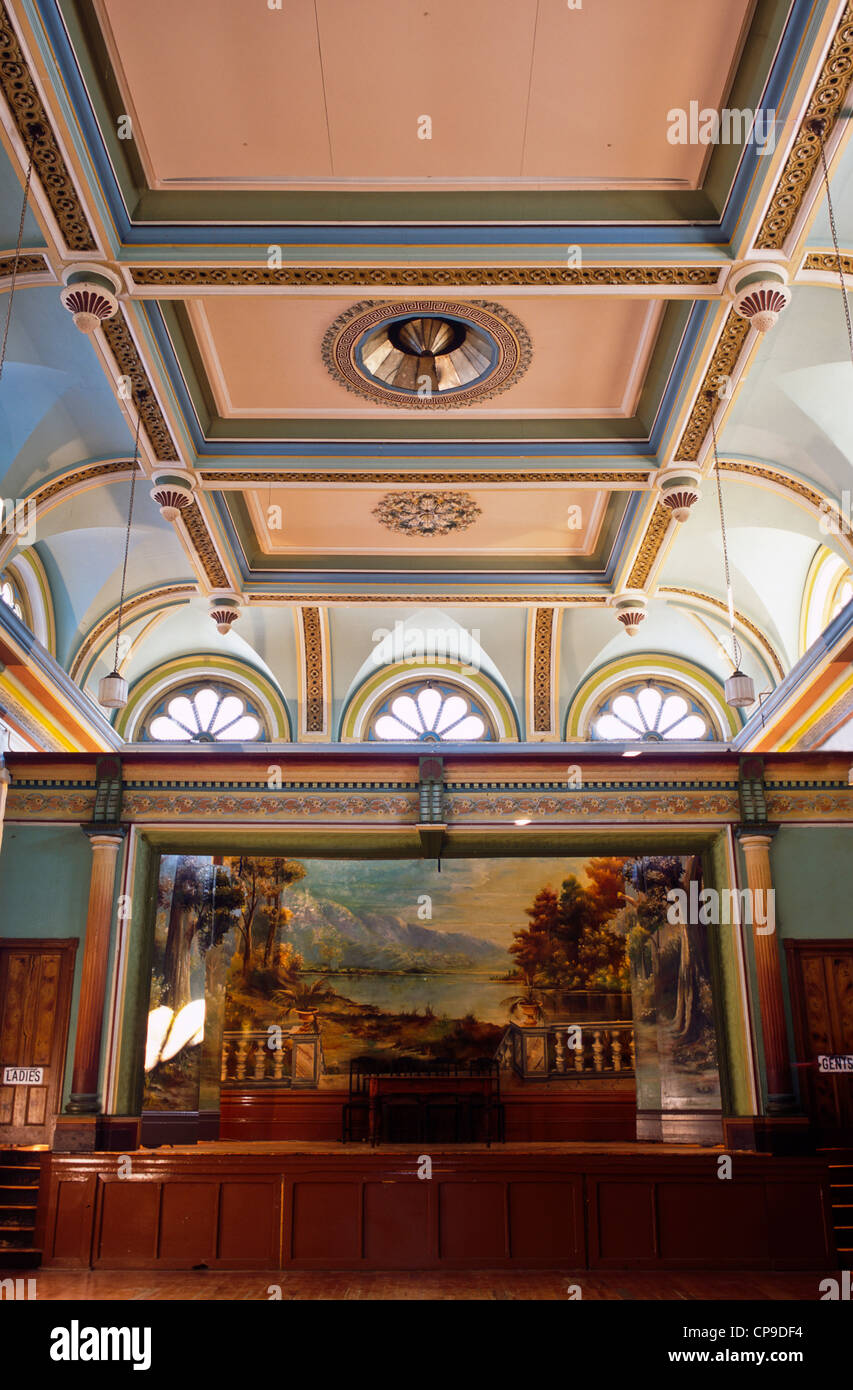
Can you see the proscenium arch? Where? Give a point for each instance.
(150, 688)
(376, 688)
(649, 666)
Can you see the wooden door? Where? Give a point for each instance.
(821, 978)
(35, 1003)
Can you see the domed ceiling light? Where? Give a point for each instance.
(35, 133)
(90, 295)
(426, 355)
(112, 690)
(740, 688)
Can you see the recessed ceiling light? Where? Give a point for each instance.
(632, 752)
(525, 820)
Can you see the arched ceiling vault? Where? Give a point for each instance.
(595, 281)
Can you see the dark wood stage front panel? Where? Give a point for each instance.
(572, 1208)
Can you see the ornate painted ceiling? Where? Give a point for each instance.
(425, 311)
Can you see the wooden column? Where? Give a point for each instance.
(85, 1097)
(5, 779)
(756, 850)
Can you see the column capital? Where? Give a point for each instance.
(761, 835)
(101, 837)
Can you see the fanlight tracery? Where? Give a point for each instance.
(203, 714)
(652, 713)
(430, 713)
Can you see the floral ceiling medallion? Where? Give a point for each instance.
(426, 354)
(427, 513)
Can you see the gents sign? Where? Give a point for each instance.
(23, 1076)
(842, 1063)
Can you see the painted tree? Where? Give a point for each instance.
(533, 945)
(262, 881)
(692, 1014)
(185, 899)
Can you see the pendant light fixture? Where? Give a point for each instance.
(740, 688)
(112, 690)
(35, 132)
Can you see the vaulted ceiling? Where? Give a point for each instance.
(276, 193)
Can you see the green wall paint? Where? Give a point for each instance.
(44, 892)
(812, 866)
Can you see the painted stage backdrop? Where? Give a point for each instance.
(392, 956)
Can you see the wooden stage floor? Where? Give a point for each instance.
(421, 1286)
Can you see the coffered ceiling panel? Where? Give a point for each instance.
(262, 358)
(516, 91)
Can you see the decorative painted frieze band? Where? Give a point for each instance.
(129, 363)
(650, 546)
(202, 543)
(720, 370)
(314, 702)
(330, 597)
(826, 102)
(30, 264)
(21, 93)
(635, 477)
(456, 277)
(544, 713)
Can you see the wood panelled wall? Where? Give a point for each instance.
(371, 1210)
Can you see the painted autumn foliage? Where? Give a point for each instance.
(569, 942)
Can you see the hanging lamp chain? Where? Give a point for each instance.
(818, 127)
(127, 534)
(736, 650)
(35, 132)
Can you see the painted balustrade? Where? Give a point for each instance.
(248, 1059)
(552, 1049)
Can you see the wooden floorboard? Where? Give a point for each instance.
(475, 1285)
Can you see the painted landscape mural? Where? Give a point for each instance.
(385, 956)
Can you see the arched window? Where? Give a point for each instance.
(651, 711)
(430, 712)
(828, 589)
(212, 712)
(11, 595)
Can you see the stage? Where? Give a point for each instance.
(309, 1205)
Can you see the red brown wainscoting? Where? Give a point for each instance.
(300, 1206)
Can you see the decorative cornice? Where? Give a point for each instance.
(421, 277)
(43, 494)
(129, 363)
(755, 470)
(26, 105)
(637, 477)
(131, 606)
(721, 367)
(31, 263)
(739, 618)
(202, 543)
(312, 641)
(650, 546)
(827, 261)
(826, 101)
(543, 640)
(330, 598)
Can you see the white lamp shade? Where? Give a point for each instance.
(112, 691)
(740, 690)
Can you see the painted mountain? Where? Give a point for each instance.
(329, 935)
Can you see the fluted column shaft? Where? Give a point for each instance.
(756, 850)
(85, 1097)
